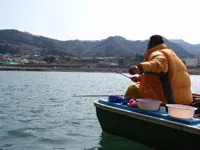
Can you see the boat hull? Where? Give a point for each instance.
(143, 129)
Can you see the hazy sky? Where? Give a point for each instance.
(98, 19)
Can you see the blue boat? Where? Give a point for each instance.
(157, 130)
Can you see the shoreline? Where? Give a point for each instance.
(191, 71)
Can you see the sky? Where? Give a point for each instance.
(99, 19)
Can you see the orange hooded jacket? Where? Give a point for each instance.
(164, 77)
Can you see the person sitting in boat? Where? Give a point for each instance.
(162, 76)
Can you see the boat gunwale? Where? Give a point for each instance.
(160, 121)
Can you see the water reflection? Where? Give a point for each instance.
(110, 142)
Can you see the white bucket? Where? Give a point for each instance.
(148, 104)
(181, 111)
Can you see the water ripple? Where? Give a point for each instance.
(54, 140)
(20, 133)
(7, 145)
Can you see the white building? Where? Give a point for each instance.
(191, 62)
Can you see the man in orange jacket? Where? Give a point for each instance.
(162, 76)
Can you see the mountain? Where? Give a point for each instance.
(116, 45)
(191, 48)
(17, 42)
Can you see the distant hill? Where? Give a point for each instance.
(17, 42)
(191, 48)
(116, 45)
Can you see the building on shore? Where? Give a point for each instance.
(191, 62)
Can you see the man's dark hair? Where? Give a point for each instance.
(155, 40)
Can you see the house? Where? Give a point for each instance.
(191, 62)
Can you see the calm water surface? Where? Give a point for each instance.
(38, 110)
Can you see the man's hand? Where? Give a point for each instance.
(134, 70)
(135, 78)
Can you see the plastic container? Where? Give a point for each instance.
(181, 111)
(163, 110)
(118, 99)
(148, 104)
(115, 99)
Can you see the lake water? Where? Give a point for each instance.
(38, 110)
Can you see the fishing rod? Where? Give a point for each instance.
(115, 71)
(103, 95)
(94, 95)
